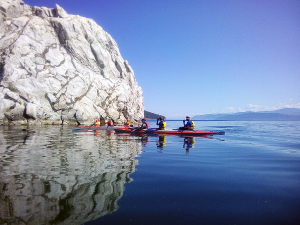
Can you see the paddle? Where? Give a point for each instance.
(134, 129)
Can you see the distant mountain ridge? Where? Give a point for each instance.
(150, 115)
(286, 114)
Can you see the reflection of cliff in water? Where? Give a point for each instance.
(53, 176)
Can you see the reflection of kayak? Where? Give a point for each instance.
(98, 128)
(168, 132)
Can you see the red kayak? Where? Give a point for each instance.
(155, 131)
(98, 128)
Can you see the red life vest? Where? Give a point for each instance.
(147, 125)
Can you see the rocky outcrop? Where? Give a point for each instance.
(57, 68)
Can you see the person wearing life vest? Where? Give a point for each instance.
(97, 123)
(127, 123)
(189, 125)
(144, 125)
(162, 123)
(110, 123)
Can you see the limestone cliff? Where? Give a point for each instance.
(57, 68)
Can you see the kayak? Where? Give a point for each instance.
(98, 128)
(155, 131)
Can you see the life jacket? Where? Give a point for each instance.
(97, 123)
(110, 123)
(147, 125)
(191, 127)
(127, 123)
(162, 125)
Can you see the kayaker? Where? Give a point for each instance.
(127, 123)
(189, 125)
(110, 123)
(144, 125)
(97, 123)
(162, 123)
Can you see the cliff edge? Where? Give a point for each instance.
(57, 68)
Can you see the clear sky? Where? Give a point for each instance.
(194, 57)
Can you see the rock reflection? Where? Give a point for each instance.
(53, 176)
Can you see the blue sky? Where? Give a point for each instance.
(195, 57)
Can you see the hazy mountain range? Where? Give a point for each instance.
(286, 114)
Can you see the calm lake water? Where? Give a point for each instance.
(250, 175)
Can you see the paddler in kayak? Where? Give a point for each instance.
(110, 123)
(189, 125)
(144, 125)
(127, 123)
(162, 123)
(97, 123)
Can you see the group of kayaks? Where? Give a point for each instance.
(150, 131)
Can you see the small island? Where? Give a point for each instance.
(151, 116)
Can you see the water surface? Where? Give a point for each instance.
(250, 175)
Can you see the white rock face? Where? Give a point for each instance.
(57, 68)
